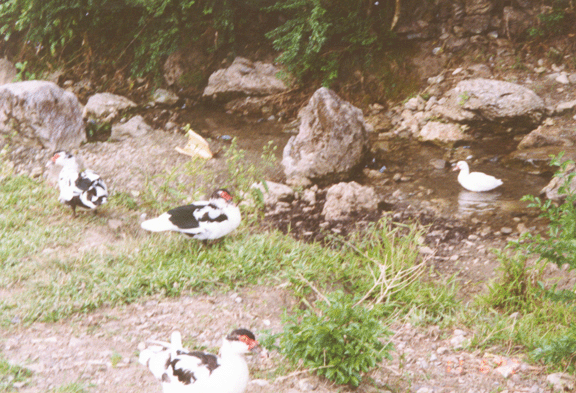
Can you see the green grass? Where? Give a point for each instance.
(72, 387)
(11, 374)
(57, 284)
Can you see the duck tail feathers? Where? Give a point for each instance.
(158, 224)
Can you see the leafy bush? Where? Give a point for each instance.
(555, 21)
(559, 245)
(340, 340)
(561, 350)
(144, 31)
(318, 37)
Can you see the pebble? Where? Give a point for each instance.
(506, 230)
(442, 350)
(563, 78)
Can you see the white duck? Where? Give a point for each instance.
(79, 189)
(475, 181)
(203, 220)
(182, 371)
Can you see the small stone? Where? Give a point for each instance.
(506, 230)
(426, 250)
(442, 350)
(563, 79)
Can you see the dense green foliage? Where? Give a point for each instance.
(319, 36)
(559, 244)
(543, 315)
(554, 20)
(340, 340)
(314, 36)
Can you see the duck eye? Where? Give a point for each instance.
(248, 341)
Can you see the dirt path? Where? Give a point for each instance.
(100, 350)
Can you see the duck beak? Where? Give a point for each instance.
(456, 168)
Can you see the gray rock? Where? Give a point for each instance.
(344, 199)
(256, 106)
(545, 136)
(564, 107)
(275, 192)
(562, 78)
(106, 107)
(552, 188)
(165, 97)
(7, 71)
(331, 142)
(442, 133)
(486, 101)
(561, 382)
(136, 127)
(41, 113)
(244, 77)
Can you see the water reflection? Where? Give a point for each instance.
(477, 202)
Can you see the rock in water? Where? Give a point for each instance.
(331, 142)
(41, 113)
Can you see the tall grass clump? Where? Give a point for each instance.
(523, 308)
(376, 278)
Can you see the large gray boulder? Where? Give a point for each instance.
(484, 101)
(331, 141)
(346, 199)
(42, 114)
(244, 78)
(106, 107)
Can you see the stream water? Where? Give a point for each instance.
(421, 182)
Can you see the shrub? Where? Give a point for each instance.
(319, 36)
(340, 340)
(559, 245)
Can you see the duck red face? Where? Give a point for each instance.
(248, 341)
(225, 195)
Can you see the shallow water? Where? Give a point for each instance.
(411, 160)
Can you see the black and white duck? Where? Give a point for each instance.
(84, 189)
(202, 220)
(183, 371)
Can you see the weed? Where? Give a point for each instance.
(463, 98)
(115, 358)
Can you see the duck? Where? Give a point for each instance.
(475, 181)
(84, 189)
(202, 220)
(183, 371)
